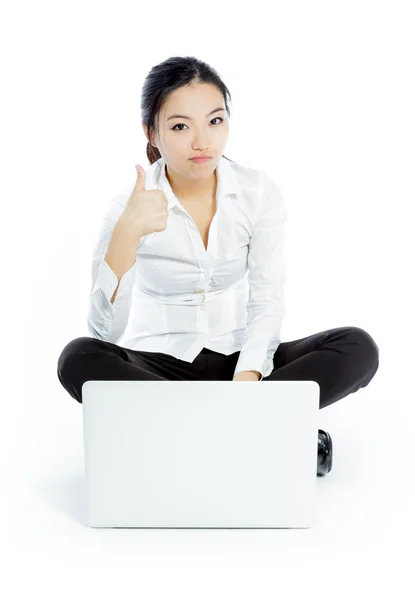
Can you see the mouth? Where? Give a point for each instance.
(200, 160)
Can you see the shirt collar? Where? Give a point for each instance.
(227, 180)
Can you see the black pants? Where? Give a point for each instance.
(341, 360)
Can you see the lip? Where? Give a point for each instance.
(200, 160)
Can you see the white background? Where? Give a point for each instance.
(323, 100)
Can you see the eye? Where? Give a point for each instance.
(174, 128)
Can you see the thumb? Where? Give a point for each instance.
(141, 178)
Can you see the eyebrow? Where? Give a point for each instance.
(190, 118)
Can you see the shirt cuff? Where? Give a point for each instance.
(255, 361)
(107, 281)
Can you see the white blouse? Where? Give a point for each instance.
(179, 296)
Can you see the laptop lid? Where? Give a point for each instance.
(200, 453)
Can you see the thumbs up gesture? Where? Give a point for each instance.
(146, 210)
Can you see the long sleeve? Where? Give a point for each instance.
(108, 321)
(266, 277)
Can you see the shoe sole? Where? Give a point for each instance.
(330, 445)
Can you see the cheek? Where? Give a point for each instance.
(224, 131)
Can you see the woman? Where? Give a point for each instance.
(198, 245)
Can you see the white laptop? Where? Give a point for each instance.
(201, 453)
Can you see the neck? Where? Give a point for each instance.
(193, 190)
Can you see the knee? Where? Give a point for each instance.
(368, 348)
(71, 353)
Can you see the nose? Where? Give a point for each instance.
(201, 141)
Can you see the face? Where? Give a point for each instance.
(179, 138)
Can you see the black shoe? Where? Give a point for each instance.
(325, 453)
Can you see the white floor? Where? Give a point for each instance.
(362, 544)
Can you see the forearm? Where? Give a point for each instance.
(122, 250)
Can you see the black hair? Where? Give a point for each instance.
(163, 79)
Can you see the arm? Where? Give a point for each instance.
(266, 277)
(113, 274)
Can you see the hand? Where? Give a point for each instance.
(146, 210)
(247, 376)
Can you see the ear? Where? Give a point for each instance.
(146, 134)
(145, 130)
